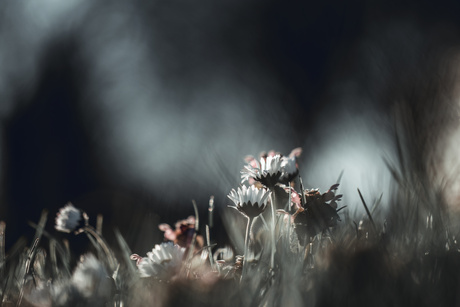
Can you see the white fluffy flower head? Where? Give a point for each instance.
(91, 279)
(163, 262)
(68, 218)
(267, 171)
(250, 201)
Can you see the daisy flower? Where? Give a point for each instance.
(289, 166)
(91, 279)
(251, 201)
(69, 218)
(267, 171)
(163, 262)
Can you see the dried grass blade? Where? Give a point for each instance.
(368, 212)
(2, 249)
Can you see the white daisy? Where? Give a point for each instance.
(164, 261)
(91, 279)
(250, 201)
(68, 218)
(268, 171)
(289, 165)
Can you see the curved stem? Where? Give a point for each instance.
(246, 246)
(111, 258)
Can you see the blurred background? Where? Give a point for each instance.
(132, 109)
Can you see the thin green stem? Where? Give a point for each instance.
(2, 249)
(273, 248)
(208, 242)
(191, 247)
(287, 208)
(246, 247)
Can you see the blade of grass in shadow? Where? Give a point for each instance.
(368, 212)
(126, 252)
(340, 177)
(56, 247)
(100, 252)
(356, 229)
(53, 257)
(2, 249)
(400, 155)
(30, 256)
(302, 191)
(102, 247)
(38, 234)
(99, 223)
(13, 253)
(393, 171)
(192, 243)
(376, 204)
(41, 225)
(208, 242)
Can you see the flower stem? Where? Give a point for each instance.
(273, 249)
(208, 243)
(110, 256)
(2, 249)
(191, 247)
(246, 246)
(264, 222)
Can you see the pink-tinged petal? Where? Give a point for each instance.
(191, 220)
(281, 211)
(296, 152)
(136, 257)
(164, 227)
(249, 159)
(170, 235)
(295, 198)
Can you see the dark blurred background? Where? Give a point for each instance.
(132, 109)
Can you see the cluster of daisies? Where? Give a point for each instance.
(271, 182)
(267, 182)
(288, 247)
(271, 194)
